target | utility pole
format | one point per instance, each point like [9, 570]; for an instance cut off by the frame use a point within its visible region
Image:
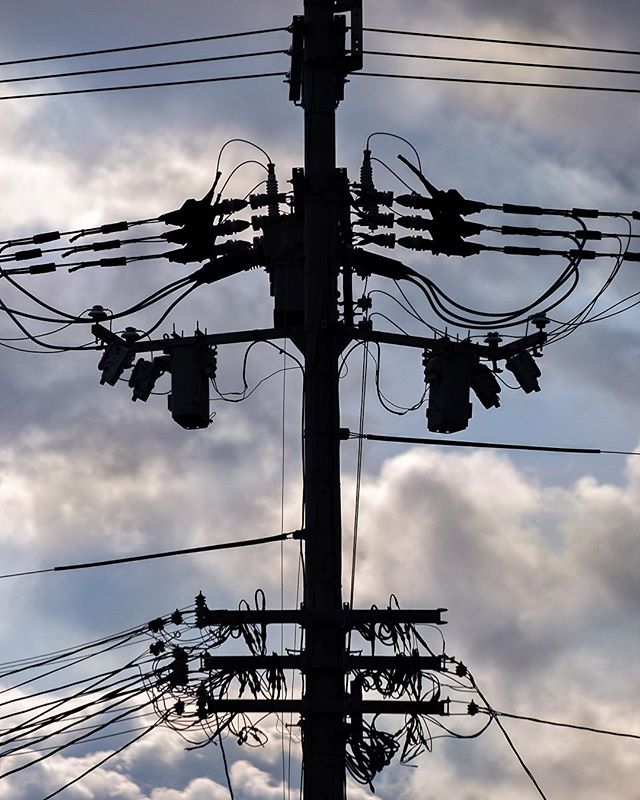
[310, 255]
[323, 739]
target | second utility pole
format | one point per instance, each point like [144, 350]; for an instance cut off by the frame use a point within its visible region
[323, 743]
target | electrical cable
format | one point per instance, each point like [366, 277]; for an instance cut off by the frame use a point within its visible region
[145, 46]
[492, 445]
[356, 512]
[487, 82]
[519, 43]
[129, 67]
[497, 62]
[165, 554]
[586, 728]
[509, 741]
[154, 85]
[104, 760]
[396, 136]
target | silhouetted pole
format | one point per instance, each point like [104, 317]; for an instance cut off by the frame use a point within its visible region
[323, 745]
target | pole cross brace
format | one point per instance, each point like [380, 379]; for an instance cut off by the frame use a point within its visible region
[413, 663]
[404, 707]
[348, 618]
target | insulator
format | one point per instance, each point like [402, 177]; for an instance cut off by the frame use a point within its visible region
[414, 200]
[272, 190]
[230, 226]
[366, 173]
[383, 198]
[381, 239]
[130, 335]
[97, 313]
[415, 243]
[179, 668]
[540, 321]
[257, 201]
[525, 371]
[376, 220]
[229, 206]
[415, 223]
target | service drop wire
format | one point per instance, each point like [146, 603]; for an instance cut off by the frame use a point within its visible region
[571, 270]
[581, 318]
[35, 662]
[121, 696]
[498, 319]
[242, 141]
[401, 138]
[494, 717]
[102, 761]
[40, 722]
[78, 739]
[506, 320]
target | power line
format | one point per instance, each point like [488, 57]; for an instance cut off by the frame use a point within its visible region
[144, 85]
[491, 445]
[166, 554]
[516, 42]
[587, 728]
[503, 63]
[128, 48]
[155, 65]
[509, 741]
[498, 83]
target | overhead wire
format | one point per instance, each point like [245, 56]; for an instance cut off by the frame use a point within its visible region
[374, 437]
[499, 62]
[150, 556]
[130, 67]
[154, 85]
[509, 741]
[555, 724]
[143, 46]
[516, 42]
[489, 82]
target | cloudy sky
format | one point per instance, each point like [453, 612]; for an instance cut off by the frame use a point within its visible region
[534, 555]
